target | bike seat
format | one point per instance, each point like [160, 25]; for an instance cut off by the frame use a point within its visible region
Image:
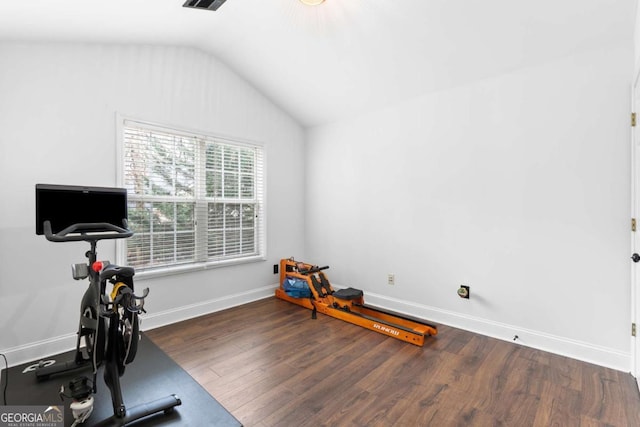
[115, 270]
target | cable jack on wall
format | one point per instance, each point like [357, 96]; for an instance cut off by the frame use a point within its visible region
[464, 291]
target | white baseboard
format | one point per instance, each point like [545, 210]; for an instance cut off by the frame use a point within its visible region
[579, 350]
[39, 350]
[587, 352]
[42, 349]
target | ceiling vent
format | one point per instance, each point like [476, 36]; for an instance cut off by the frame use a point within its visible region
[204, 4]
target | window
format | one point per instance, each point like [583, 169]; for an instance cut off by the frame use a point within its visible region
[192, 199]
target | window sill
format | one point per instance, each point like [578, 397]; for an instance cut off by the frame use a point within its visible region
[169, 271]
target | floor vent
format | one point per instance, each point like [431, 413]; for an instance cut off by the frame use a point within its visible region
[204, 4]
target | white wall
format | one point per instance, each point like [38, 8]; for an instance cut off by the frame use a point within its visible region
[517, 186]
[58, 106]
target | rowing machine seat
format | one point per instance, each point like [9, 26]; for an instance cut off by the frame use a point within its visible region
[348, 294]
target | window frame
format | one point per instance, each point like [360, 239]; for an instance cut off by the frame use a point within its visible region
[200, 198]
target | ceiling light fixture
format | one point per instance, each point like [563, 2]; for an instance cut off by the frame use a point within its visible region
[312, 2]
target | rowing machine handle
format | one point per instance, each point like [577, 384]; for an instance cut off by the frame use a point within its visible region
[313, 269]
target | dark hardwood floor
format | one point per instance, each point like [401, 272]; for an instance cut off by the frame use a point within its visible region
[269, 364]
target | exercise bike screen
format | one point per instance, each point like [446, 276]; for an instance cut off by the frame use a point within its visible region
[65, 205]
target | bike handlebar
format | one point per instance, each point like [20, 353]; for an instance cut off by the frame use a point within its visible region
[87, 231]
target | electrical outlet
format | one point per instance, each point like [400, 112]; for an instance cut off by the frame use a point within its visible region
[391, 279]
[275, 268]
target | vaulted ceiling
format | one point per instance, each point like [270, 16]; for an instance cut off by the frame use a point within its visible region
[324, 63]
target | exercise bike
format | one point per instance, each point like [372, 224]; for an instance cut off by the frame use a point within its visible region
[108, 331]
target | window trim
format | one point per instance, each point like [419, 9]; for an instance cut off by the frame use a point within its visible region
[121, 258]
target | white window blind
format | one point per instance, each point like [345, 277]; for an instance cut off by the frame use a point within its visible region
[193, 199]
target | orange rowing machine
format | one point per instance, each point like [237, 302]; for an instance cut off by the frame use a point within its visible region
[345, 304]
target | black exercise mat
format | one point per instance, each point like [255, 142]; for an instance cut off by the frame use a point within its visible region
[152, 375]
